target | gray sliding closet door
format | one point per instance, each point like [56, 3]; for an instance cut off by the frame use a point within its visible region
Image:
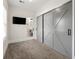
[48, 29]
[39, 28]
[55, 29]
[63, 25]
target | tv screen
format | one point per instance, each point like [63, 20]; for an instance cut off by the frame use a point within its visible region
[19, 20]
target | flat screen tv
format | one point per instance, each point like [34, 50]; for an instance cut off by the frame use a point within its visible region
[19, 20]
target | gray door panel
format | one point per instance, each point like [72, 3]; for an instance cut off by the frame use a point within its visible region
[48, 29]
[39, 28]
[61, 32]
[57, 24]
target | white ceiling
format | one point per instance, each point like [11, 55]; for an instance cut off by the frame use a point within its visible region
[35, 5]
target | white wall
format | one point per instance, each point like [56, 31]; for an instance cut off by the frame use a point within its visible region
[2, 33]
[51, 5]
[34, 27]
[5, 4]
[16, 32]
[5, 45]
[5, 11]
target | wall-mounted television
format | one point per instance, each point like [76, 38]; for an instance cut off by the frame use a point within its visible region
[19, 20]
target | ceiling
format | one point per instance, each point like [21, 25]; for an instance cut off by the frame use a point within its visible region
[34, 5]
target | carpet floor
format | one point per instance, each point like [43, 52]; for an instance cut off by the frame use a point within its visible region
[31, 49]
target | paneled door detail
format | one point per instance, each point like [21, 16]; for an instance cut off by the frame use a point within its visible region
[39, 28]
[54, 29]
[62, 24]
[48, 29]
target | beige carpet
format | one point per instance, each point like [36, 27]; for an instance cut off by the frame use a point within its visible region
[31, 49]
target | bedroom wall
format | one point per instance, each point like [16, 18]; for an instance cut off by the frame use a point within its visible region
[17, 33]
[5, 40]
[5, 45]
[34, 27]
[5, 4]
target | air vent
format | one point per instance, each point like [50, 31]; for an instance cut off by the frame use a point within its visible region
[21, 1]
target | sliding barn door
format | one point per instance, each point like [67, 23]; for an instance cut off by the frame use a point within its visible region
[39, 28]
[55, 29]
[63, 29]
[58, 29]
[48, 29]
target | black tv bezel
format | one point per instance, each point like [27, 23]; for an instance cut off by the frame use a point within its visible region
[19, 23]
